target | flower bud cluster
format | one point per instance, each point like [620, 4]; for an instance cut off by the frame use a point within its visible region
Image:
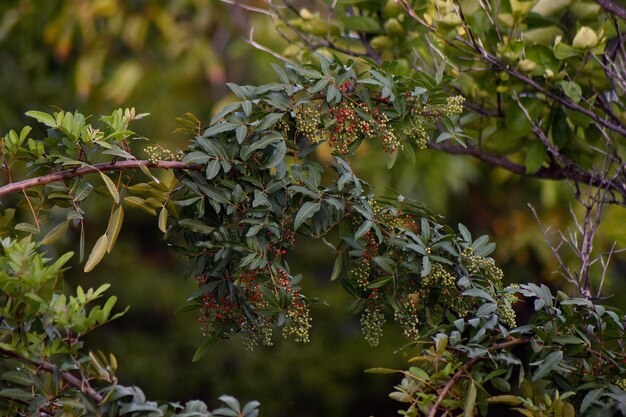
[454, 105]
[476, 264]
[258, 333]
[283, 127]
[408, 319]
[505, 309]
[372, 322]
[308, 121]
[361, 273]
[417, 132]
[158, 153]
[298, 321]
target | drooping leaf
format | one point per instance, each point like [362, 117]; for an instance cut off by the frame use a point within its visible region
[115, 225]
[111, 187]
[307, 211]
[97, 253]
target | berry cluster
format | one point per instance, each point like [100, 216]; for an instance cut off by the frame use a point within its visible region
[283, 127]
[372, 322]
[417, 132]
[361, 273]
[454, 105]
[158, 153]
[349, 126]
[476, 264]
[298, 321]
[308, 121]
[505, 309]
[408, 317]
[259, 333]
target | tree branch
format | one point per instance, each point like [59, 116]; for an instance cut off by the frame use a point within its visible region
[12, 187]
[461, 371]
[81, 384]
[550, 173]
[613, 8]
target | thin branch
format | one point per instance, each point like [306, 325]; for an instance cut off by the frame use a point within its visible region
[457, 375]
[91, 169]
[81, 384]
[567, 274]
[498, 64]
[613, 8]
[250, 41]
[551, 173]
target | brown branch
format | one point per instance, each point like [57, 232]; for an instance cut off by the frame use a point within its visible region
[91, 169]
[457, 375]
[550, 173]
[613, 8]
[81, 384]
[498, 64]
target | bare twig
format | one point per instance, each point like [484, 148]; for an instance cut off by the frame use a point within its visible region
[612, 7]
[565, 271]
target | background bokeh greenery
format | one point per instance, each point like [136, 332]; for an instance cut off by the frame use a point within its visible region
[169, 57]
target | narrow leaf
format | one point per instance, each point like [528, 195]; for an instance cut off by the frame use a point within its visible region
[114, 227]
[307, 211]
[112, 188]
[204, 348]
[163, 220]
[55, 233]
[470, 401]
[549, 363]
[97, 253]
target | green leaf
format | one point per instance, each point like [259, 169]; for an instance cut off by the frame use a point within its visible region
[55, 233]
[280, 150]
[241, 133]
[361, 24]
[382, 371]
[571, 90]
[220, 128]
[261, 143]
[505, 399]
[307, 211]
[97, 253]
[535, 156]
[470, 401]
[111, 186]
[212, 169]
[163, 220]
[114, 227]
[363, 229]
[204, 348]
[42, 117]
[381, 282]
[590, 398]
[197, 226]
[17, 394]
[28, 228]
[337, 268]
[196, 157]
[548, 364]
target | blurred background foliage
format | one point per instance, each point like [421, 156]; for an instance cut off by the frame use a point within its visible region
[168, 57]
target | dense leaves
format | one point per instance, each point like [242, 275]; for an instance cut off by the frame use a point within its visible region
[276, 165]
